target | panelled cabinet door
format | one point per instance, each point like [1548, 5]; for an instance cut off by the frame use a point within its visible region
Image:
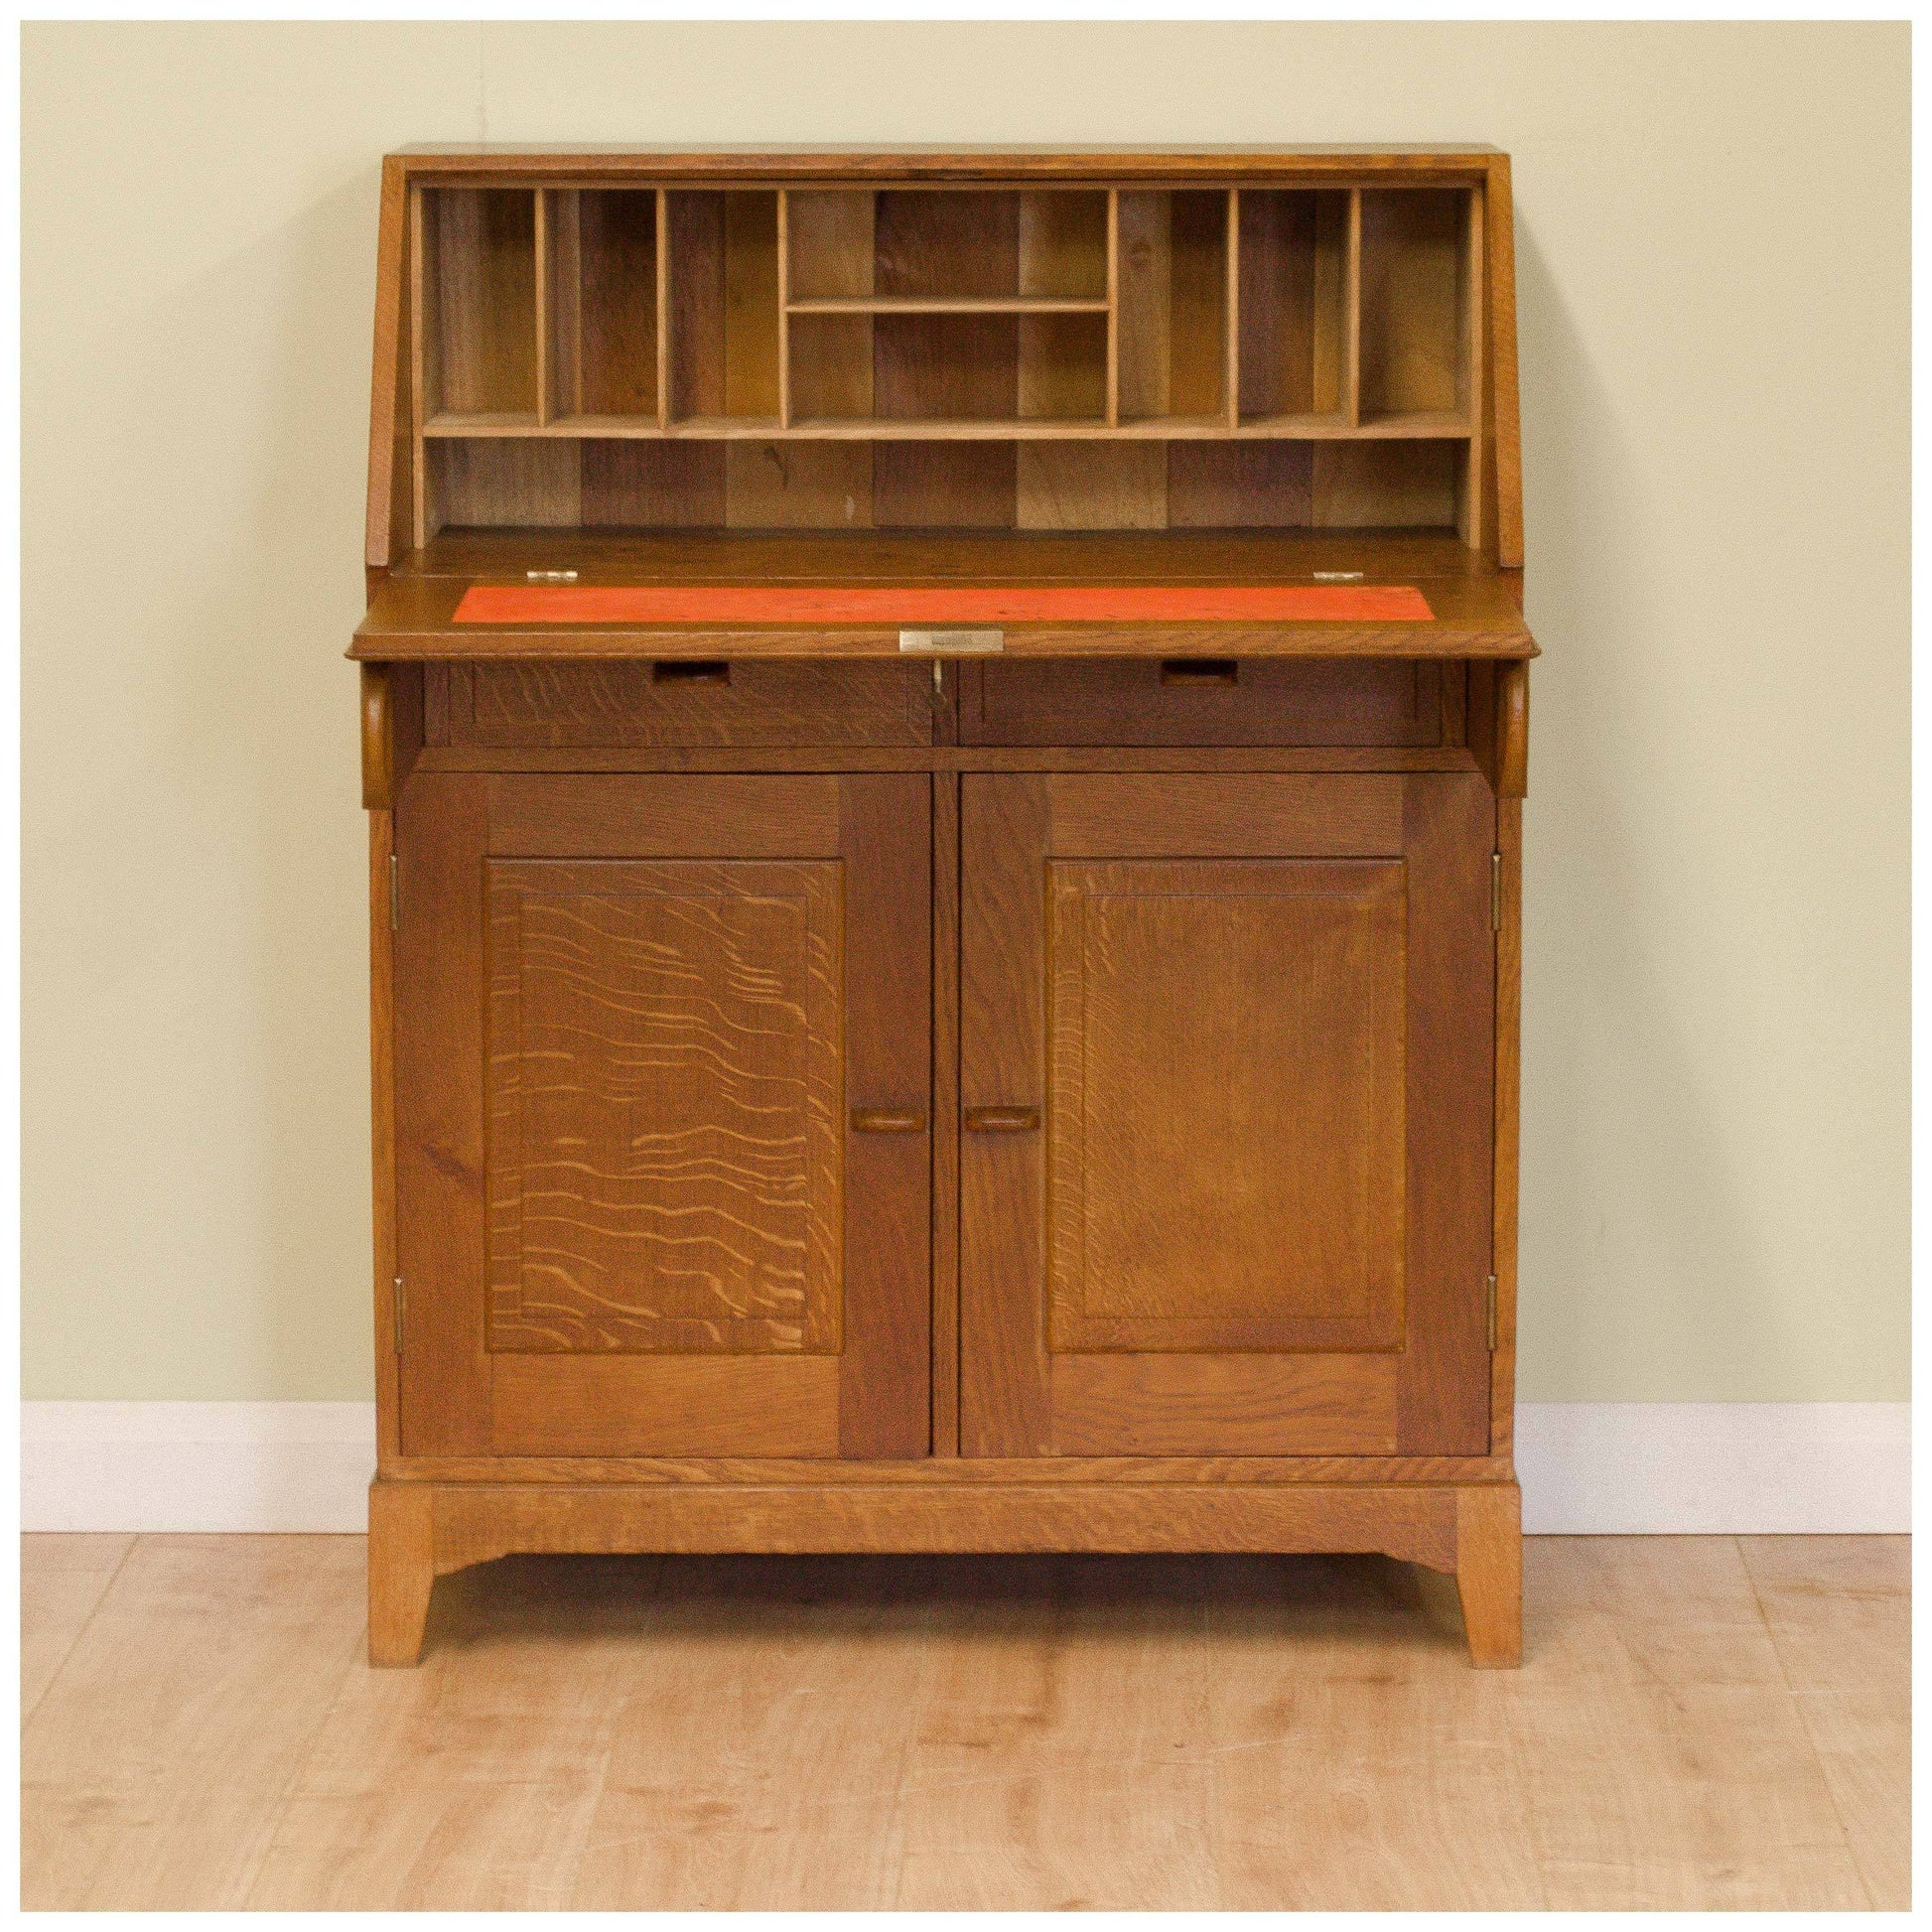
[663, 1073]
[1226, 1081]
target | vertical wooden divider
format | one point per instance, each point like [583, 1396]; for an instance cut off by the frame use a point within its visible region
[1234, 309]
[418, 368]
[562, 309]
[1501, 239]
[545, 347]
[1352, 315]
[664, 218]
[784, 309]
[1473, 521]
[1113, 308]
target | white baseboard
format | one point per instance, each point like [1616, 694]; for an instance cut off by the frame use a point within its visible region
[1605, 1468]
[298, 1467]
[1716, 1468]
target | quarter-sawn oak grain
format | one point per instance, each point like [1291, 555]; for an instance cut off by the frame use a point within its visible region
[829, 1097]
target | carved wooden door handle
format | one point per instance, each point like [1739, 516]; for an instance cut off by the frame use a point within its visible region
[1001, 1120]
[887, 1120]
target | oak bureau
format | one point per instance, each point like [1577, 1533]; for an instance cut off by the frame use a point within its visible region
[944, 736]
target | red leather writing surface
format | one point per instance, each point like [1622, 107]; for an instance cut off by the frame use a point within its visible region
[965, 604]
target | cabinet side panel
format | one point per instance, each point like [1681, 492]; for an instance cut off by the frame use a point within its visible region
[1509, 1014]
[382, 1126]
[445, 1374]
[1449, 837]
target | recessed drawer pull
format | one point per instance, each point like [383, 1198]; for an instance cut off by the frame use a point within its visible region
[887, 1120]
[690, 670]
[1200, 670]
[1001, 1120]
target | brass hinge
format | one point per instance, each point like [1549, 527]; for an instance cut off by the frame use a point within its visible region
[395, 892]
[399, 1301]
[1496, 892]
[1490, 1302]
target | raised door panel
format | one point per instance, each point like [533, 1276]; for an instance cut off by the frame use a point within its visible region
[638, 1020]
[1225, 1087]
[1226, 1079]
[663, 1088]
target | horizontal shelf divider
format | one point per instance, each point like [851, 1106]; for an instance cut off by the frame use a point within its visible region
[964, 305]
[1421, 426]
[1446, 424]
[520, 422]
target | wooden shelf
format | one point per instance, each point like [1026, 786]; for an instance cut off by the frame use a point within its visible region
[1445, 425]
[486, 422]
[1429, 425]
[994, 429]
[990, 305]
[757, 428]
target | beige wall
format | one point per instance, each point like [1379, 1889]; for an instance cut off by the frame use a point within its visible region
[1712, 233]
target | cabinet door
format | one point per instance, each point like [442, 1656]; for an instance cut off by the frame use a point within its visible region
[1226, 1079]
[662, 1079]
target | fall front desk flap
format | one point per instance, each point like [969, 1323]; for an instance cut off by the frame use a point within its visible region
[876, 605]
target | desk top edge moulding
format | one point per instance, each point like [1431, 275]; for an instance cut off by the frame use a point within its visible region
[944, 733]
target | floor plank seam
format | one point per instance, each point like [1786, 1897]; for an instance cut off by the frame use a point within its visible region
[74, 1642]
[297, 1770]
[1804, 1725]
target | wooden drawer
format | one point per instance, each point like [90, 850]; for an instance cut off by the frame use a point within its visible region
[583, 705]
[1207, 700]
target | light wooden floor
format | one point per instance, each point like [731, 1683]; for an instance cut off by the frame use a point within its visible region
[1701, 1721]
